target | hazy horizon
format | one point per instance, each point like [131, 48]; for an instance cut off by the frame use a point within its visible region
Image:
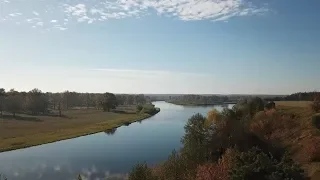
[160, 47]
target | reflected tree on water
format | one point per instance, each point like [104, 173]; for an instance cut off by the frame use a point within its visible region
[110, 131]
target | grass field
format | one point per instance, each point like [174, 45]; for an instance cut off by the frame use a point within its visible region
[300, 134]
[294, 103]
[25, 131]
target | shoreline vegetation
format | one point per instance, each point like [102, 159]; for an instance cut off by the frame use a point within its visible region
[34, 118]
[256, 139]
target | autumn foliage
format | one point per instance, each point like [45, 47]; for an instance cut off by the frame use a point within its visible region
[219, 170]
[235, 144]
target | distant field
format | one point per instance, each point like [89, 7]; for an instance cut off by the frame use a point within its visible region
[294, 103]
[25, 130]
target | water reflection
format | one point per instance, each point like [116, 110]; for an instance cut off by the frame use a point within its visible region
[110, 131]
[127, 123]
[65, 172]
[112, 156]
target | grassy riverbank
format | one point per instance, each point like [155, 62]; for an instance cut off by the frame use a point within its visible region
[25, 130]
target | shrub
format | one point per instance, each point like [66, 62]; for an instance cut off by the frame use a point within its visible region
[316, 104]
[220, 170]
[149, 109]
[273, 126]
[316, 120]
[270, 105]
[311, 148]
[139, 108]
[255, 164]
[176, 167]
[142, 172]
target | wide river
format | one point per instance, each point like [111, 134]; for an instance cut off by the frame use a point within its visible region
[103, 155]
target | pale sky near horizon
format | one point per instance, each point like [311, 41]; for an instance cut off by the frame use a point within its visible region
[160, 46]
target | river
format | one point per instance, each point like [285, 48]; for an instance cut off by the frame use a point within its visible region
[107, 155]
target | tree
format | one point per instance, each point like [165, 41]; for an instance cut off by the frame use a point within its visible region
[255, 164]
[2, 98]
[141, 172]
[13, 102]
[316, 104]
[37, 101]
[195, 140]
[108, 101]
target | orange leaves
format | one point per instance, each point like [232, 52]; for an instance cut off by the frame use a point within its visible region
[219, 170]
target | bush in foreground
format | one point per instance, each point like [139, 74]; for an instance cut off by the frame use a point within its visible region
[255, 164]
[141, 172]
[220, 170]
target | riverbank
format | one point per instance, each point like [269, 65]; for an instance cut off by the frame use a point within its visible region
[26, 131]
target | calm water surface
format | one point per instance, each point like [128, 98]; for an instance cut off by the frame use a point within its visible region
[103, 155]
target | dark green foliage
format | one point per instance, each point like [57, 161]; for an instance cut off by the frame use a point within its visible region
[255, 164]
[141, 172]
[175, 168]
[13, 102]
[316, 120]
[139, 108]
[108, 101]
[195, 143]
[149, 109]
[36, 101]
[270, 105]
[2, 100]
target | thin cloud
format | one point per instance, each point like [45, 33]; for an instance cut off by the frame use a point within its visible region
[147, 72]
[84, 11]
[35, 13]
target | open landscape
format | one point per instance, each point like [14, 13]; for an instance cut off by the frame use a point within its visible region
[159, 90]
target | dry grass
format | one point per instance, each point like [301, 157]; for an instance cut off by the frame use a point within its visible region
[35, 130]
[294, 103]
[301, 137]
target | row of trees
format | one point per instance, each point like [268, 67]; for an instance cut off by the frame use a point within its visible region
[228, 145]
[198, 99]
[36, 101]
[300, 96]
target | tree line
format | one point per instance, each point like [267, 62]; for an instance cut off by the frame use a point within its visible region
[37, 102]
[198, 99]
[300, 96]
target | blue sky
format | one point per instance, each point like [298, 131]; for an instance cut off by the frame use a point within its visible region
[168, 46]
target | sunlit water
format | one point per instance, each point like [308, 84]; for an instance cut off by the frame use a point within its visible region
[103, 155]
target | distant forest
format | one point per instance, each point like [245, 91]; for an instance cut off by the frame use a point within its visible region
[198, 99]
[300, 96]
